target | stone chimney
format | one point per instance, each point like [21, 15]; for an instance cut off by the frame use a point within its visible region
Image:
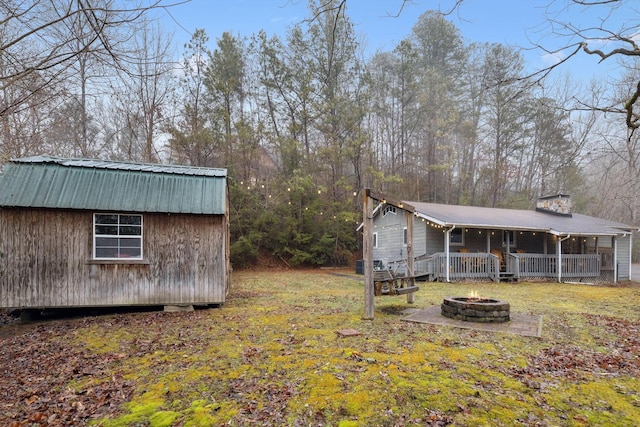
[558, 204]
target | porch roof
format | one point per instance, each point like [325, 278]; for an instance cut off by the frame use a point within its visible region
[518, 219]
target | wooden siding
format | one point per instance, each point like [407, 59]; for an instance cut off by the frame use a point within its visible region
[434, 240]
[47, 262]
[624, 257]
[390, 237]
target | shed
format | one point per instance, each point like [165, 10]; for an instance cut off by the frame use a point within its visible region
[93, 233]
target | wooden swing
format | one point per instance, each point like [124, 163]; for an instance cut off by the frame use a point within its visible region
[386, 283]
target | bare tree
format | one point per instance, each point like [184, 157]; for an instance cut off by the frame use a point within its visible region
[36, 40]
[145, 99]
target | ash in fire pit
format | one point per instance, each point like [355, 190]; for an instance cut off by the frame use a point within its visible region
[476, 309]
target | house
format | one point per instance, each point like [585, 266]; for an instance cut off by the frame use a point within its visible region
[92, 233]
[466, 242]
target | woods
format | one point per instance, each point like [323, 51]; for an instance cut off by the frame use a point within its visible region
[305, 121]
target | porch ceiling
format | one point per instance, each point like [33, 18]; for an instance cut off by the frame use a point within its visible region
[517, 219]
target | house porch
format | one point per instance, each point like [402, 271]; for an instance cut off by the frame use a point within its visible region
[501, 255]
[517, 266]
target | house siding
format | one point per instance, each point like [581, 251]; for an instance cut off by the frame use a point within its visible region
[624, 257]
[390, 230]
[46, 261]
[434, 240]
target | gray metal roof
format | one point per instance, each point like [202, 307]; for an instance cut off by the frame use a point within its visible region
[50, 182]
[516, 219]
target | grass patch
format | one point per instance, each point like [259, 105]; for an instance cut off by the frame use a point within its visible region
[271, 356]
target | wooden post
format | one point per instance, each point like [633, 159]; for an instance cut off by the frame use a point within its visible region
[614, 242]
[367, 253]
[410, 268]
[447, 264]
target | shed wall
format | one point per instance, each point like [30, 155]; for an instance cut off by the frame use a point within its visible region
[46, 261]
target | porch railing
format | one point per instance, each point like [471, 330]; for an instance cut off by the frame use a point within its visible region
[466, 265]
[520, 265]
[573, 265]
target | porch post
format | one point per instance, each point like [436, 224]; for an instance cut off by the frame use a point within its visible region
[615, 259]
[447, 264]
[559, 258]
[488, 241]
[630, 253]
[411, 281]
[367, 253]
[559, 255]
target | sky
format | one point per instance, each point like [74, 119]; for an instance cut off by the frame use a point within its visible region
[381, 24]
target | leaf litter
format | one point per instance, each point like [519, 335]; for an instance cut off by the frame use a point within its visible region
[271, 357]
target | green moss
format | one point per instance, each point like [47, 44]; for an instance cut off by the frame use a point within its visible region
[204, 413]
[164, 418]
[277, 350]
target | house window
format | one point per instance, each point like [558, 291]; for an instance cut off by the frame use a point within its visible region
[375, 240]
[388, 209]
[512, 238]
[456, 237]
[404, 236]
[117, 236]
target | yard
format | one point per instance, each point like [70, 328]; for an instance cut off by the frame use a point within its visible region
[271, 357]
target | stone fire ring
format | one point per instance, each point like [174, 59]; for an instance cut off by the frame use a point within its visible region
[483, 310]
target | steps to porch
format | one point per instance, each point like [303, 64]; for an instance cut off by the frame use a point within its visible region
[507, 276]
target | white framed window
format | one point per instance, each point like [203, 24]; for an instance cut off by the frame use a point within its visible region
[511, 235]
[117, 236]
[404, 236]
[375, 240]
[456, 237]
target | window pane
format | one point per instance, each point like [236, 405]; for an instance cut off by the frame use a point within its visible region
[106, 252]
[130, 230]
[130, 243]
[131, 219]
[456, 236]
[111, 230]
[107, 241]
[106, 219]
[129, 253]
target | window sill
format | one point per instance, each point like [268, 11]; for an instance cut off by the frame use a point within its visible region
[123, 261]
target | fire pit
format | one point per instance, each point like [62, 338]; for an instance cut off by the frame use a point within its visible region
[476, 309]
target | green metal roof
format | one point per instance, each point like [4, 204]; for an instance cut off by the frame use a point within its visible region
[50, 182]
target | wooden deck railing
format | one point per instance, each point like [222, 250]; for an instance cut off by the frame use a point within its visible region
[463, 265]
[573, 265]
[487, 266]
